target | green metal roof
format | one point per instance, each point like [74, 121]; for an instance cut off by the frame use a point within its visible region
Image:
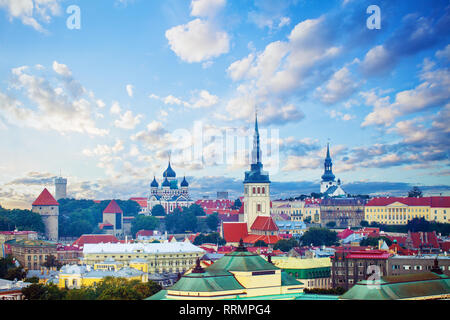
[400, 287]
[310, 273]
[288, 280]
[206, 282]
[241, 261]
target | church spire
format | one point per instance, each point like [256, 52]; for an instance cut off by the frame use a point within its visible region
[256, 154]
[328, 165]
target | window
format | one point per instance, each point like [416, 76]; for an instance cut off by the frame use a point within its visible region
[263, 190]
[258, 207]
[259, 190]
[406, 267]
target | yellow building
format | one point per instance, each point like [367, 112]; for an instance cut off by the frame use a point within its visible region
[396, 210]
[75, 276]
[313, 273]
[298, 210]
[237, 275]
[149, 257]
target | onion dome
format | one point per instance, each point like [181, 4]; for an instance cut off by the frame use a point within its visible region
[166, 183]
[154, 183]
[169, 173]
[184, 183]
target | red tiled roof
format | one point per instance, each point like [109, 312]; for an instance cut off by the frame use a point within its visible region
[400, 240]
[144, 233]
[234, 231]
[401, 251]
[438, 202]
[264, 224]
[369, 254]
[445, 246]
[344, 233]
[252, 238]
[45, 199]
[112, 207]
[420, 239]
[141, 201]
[95, 238]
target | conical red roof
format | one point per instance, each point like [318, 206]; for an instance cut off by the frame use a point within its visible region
[113, 207]
[45, 199]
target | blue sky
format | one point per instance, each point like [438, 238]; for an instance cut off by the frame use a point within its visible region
[105, 104]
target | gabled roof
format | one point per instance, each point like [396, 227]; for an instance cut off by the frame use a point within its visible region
[262, 223]
[345, 233]
[269, 239]
[95, 238]
[45, 199]
[113, 207]
[422, 239]
[234, 231]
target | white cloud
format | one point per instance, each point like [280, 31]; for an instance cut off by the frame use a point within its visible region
[128, 121]
[61, 69]
[197, 41]
[30, 11]
[115, 108]
[129, 88]
[55, 108]
[204, 100]
[444, 53]
[206, 8]
[339, 87]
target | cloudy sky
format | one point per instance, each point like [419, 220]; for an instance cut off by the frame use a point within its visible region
[102, 92]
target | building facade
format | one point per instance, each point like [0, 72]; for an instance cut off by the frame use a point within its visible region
[32, 254]
[399, 210]
[161, 257]
[345, 212]
[398, 265]
[350, 266]
[170, 195]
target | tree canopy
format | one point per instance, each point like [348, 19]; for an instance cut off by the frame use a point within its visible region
[213, 237]
[181, 221]
[142, 222]
[20, 219]
[158, 211]
[319, 236]
[415, 192]
[285, 244]
[212, 221]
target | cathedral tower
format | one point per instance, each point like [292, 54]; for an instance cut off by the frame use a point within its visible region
[256, 185]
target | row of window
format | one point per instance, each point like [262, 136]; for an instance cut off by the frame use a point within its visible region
[256, 190]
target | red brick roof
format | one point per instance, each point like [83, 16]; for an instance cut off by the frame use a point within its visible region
[438, 202]
[234, 231]
[421, 239]
[344, 233]
[113, 207]
[252, 238]
[45, 199]
[95, 238]
[144, 233]
[369, 254]
[264, 224]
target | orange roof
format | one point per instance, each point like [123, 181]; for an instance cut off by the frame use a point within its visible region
[264, 224]
[252, 238]
[113, 207]
[234, 231]
[45, 199]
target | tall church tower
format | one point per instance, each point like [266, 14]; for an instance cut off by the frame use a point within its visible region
[256, 185]
[328, 176]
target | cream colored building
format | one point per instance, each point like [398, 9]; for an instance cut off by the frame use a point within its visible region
[160, 257]
[396, 210]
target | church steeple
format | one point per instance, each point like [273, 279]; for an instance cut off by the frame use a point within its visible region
[328, 165]
[256, 153]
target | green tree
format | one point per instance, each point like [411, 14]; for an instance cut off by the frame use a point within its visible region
[197, 210]
[16, 273]
[261, 243]
[319, 236]
[51, 261]
[142, 222]
[373, 241]
[364, 223]
[35, 291]
[181, 221]
[285, 244]
[6, 264]
[237, 204]
[419, 224]
[158, 211]
[307, 219]
[331, 224]
[212, 221]
[213, 237]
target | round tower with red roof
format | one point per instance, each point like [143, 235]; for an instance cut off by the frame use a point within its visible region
[48, 208]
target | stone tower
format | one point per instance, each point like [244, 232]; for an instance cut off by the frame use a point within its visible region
[60, 188]
[256, 185]
[48, 208]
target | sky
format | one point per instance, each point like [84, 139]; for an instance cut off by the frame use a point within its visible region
[104, 92]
